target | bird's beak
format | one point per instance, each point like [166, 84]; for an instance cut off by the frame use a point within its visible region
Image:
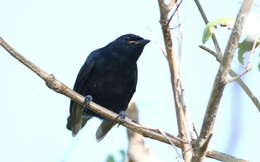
[143, 41]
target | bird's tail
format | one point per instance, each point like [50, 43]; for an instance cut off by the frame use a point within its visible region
[75, 120]
[104, 127]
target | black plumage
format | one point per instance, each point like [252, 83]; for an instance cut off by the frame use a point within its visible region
[109, 75]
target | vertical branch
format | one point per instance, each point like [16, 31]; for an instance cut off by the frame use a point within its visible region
[137, 150]
[175, 79]
[220, 81]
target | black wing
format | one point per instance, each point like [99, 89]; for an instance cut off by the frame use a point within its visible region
[134, 85]
[75, 121]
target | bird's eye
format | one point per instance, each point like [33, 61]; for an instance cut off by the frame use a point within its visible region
[132, 42]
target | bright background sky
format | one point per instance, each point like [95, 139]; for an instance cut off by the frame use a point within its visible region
[58, 35]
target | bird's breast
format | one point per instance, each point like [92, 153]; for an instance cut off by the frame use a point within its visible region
[115, 78]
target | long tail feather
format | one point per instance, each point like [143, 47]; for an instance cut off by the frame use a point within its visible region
[103, 129]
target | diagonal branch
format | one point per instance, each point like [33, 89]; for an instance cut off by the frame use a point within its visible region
[223, 157]
[177, 7]
[218, 55]
[206, 21]
[61, 88]
[175, 81]
[233, 74]
[247, 69]
[220, 82]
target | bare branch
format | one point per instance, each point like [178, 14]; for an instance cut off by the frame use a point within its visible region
[204, 17]
[218, 57]
[155, 40]
[163, 133]
[248, 68]
[223, 157]
[195, 131]
[177, 7]
[239, 81]
[61, 88]
[176, 82]
[220, 83]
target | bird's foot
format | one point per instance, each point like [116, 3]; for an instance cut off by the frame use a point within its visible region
[85, 105]
[87, 101]
[121, 118]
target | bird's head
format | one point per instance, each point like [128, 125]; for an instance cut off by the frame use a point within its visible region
[129, 45]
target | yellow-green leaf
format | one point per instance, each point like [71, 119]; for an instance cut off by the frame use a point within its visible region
[209, 29]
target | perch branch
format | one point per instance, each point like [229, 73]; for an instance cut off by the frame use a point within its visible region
[220, 82]
[61, 88]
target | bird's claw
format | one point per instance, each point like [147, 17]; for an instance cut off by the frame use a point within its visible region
[87, 101]
[121, 118]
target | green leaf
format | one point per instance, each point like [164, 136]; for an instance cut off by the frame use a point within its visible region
[123, 155]
[209, 29]
[110, 158]
[244, 47]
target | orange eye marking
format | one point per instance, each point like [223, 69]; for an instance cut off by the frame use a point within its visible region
[132, 42]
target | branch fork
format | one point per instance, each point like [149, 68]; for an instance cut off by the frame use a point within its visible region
[234, 75]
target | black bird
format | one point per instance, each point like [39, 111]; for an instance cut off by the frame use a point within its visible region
[109, 76]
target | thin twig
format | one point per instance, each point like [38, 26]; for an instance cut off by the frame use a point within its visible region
[61, 88]
[171, 4]
[177, 7]
[175, 81]
[219, 83]
[218, 57]
[255, 44]
[172, 144]
[195, 131]
[257, 40]
[179, 37]
[155, 40]
[239, 81]
[206, 21]
[248, 68]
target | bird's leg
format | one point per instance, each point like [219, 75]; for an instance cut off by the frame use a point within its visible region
[88, 99]
[85, 105]
[121, 118]
[122, 115]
